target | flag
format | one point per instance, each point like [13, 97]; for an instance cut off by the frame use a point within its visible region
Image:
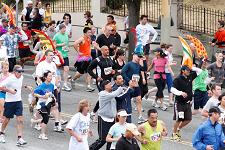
[9, 12]
[187, 53]
[200, 49]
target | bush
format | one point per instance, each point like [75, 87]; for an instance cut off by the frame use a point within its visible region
[115, 4]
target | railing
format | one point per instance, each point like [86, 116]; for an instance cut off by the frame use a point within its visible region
[148, 7]
[62, 6]
[199, 19]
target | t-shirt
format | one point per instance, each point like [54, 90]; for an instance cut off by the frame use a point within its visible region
[220, 36]
[80, 125]
[103, 40]
[43, 67]
[199, 82]
[159, 66]
[116, 131]
[212, 102]
[62, 38]
[217, 72]
[68, 28]
[44, 88]
[12, 82]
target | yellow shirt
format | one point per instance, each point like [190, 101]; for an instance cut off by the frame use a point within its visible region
[153, 137]
[48, 17]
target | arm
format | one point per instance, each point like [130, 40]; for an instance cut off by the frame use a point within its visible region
[144, 66]
[164, 131]
[176, 92]
[77, 43]
[205, 110]
[72, 124]
[197, 70]
[91, 67]
[124, 72]
[114, 94]
[153, 31]
[169, 68]
[197, 141]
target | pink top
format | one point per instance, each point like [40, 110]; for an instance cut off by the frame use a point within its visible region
[159, 65]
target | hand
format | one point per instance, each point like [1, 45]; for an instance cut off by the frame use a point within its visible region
[144, 142]
[184, 94]
[144, 82]
[212, 78]
[63, 44]
[172, 74]
[99, 79]
[209, 147]
[209, 93]
[46, 96]
[79, 139]
[113, 72]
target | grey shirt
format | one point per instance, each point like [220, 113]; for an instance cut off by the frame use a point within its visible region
[217, 72]
[107, 103]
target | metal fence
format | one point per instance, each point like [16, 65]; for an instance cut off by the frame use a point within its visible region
[198, 18]
[62, 6]
[119, 8]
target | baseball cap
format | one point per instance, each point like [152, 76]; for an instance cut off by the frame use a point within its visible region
[214, 110]
[5, 20]
[185, 67]
[158, 49]
[18, 69]
[122, 113]
[132, 128]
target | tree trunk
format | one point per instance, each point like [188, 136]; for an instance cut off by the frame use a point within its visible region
[134, 13]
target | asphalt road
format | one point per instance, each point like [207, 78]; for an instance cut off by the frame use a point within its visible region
[59, 141]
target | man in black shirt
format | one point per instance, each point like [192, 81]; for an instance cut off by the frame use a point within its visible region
[105, 40]
[127, 141]
[182, 88]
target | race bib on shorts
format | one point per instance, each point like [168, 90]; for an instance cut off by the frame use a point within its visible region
[181, 115]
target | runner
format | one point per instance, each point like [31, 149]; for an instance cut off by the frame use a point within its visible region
[182, 88]
[78, 127]
[159, 63]
[89, 23]
[152, 132]
[128, 141]
[83, 48]
[107, 103]
[213, 101]
[44, 94]
[62, 43]
[67, 23]
[13, 104]
[132, 71]
[209, 135]
[118, 129]
[119, 60]
[219, 37]
[51, 29]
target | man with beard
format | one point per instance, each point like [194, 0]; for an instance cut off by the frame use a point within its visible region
[152, 131]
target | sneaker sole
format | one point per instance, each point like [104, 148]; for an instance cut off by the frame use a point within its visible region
[90, 90]
[64, 123]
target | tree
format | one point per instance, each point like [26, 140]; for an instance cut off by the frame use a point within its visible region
[134, 13]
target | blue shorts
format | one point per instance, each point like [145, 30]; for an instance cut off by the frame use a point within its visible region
[169, 81]
[2, 95]
[13, 108]
[200, 99]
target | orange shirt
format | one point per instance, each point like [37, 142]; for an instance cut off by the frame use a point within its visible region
[85, 48]
[220, 37]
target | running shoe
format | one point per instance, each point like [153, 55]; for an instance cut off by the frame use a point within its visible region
[154, 104]
[141, 120]
[21, 142]
[164, 108]
[66, 88]
[175, 137]
[58, 129]
[37, 127]
[90, 89]
[43, 137]
[63, 122]
[2, 138]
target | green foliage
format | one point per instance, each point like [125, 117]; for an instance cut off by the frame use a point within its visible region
[115, 4]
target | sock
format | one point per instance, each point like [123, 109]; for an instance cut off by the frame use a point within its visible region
[56, 123]
[19, 137]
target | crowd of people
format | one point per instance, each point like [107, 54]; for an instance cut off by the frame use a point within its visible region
[120, 84]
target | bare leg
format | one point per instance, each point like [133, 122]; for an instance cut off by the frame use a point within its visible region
[43, 128]
[1, 108]
[4, 124]
[176, 125]
[19, 126]
[65, 74]
[139, 105]
[184, 123]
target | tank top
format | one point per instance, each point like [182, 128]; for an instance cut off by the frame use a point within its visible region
[85, 48]
[154, 138]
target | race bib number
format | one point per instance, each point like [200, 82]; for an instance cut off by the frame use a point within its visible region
[107, 70]
[155, 137]
[136, 77]
[181, 115]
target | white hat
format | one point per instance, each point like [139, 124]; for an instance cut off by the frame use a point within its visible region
[29, 2]
[122, 113]
[132, 128]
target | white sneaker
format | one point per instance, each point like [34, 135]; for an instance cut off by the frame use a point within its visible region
[2, 138]
[90, 89]
[66, 88]
[58, 129]
[154, 104]
[164, 108]
[43, 137]
[37, 127]
[21, 142]
[141, 120]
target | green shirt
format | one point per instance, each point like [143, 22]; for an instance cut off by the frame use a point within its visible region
[199, 82]
[60, 39]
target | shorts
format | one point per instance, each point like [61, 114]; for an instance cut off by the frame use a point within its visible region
[200, 99]
[13, 108]
[12, 63]
[82, 66]
[182, 112]
[66, 61]
[169, 81]
[160, 84]
[2, 95]
[146, 49]
[25, 52]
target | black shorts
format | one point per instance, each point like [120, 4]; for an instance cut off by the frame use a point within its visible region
[182, 112]
[200, 99]
[82, 66]
[13, 108]
[12, 63]
[25, 52]
[66, 61]
[146, 49]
